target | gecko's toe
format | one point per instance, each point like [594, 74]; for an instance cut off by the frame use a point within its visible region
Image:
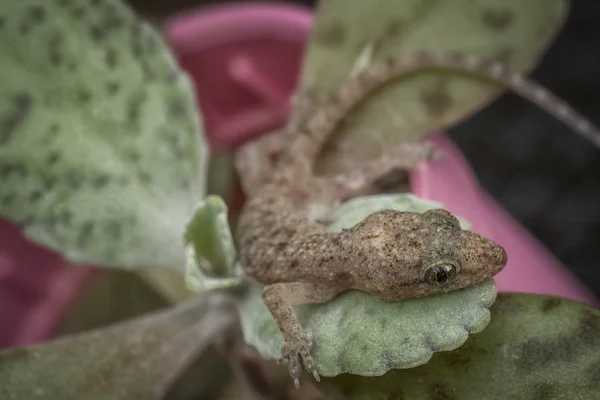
[297, 353]
[295, 369]
[316, 376]
[310, 366]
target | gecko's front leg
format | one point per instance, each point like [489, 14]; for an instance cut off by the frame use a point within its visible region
[297, 344]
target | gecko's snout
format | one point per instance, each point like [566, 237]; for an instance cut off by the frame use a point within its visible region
[485, 257]
[503, 258]
[494, 256]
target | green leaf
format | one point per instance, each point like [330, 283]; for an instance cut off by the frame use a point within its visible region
[355, 210]
[118, 295]
[101, 149]
[138, 359]
[210, 248]
[356, 333]
[348, 34]
[536, 347]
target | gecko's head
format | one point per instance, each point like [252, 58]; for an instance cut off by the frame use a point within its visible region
[456, 258]
[405, 255]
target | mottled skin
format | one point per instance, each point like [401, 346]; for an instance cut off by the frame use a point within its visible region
[392, 255]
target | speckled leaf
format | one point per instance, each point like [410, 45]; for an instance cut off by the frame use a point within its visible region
[348, 34]
[101, 152]
[358, 334]
[138, 359]
[536, 347]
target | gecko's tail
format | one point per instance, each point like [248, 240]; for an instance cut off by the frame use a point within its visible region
[319, 125]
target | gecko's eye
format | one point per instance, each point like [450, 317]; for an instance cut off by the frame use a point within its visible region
[440, 274]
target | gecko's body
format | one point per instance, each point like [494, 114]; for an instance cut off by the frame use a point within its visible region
[392, 255]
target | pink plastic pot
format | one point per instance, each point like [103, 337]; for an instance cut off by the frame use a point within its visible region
[244, 60]
[250, 56]
[36, 288]
[531, 268]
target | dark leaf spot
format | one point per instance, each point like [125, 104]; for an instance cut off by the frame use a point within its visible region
[176, 108]
[10, 169]
[113, 22]
[440, 391]
[21, 106]
[24, 28]
[83, 96]
[73, 180]
[133, 108]
[497, 20]
[508, 304]
[48, 184]
[110, 57]
[78, 12]
[463, 358]
[430, 343]
[535, 353]
[550, 304]
[7, 199]
[133, 155]
[342, 362]
[543, 391]
[54, 49]
[331, 35]
[438, 100]
[594, 375]
[113, 88]
[65, 217]
[589, 328]
[37, 14]
[388, 361]
[394, 28]
[35, 195]
[144, 177]
[383, 322]
[101, 181]
[85, 234]
[98, 33]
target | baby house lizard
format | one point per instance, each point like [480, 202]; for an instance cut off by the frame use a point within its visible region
[392, 255]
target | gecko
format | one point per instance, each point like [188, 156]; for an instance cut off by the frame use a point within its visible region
[392, 255]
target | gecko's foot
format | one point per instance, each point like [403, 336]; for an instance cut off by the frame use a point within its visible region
[297, 351]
